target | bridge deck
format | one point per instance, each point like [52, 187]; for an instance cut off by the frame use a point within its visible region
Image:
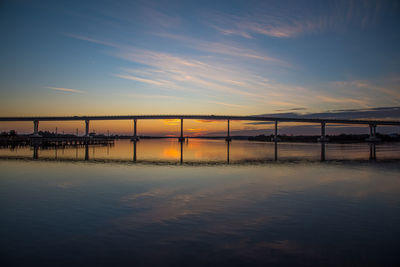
[200, 117]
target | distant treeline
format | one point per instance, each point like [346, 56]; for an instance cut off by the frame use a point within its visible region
[342, 138]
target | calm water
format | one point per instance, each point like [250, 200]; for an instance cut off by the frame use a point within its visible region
[299, 204]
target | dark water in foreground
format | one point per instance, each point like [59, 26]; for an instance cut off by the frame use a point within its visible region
[61, 209]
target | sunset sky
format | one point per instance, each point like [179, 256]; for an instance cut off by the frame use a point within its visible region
[196, 57]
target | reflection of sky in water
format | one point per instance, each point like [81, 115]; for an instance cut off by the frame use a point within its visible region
[307, 213]
[197, 150]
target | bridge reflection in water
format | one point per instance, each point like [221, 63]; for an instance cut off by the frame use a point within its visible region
[205, 151]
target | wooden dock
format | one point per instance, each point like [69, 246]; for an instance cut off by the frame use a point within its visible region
[54, 141]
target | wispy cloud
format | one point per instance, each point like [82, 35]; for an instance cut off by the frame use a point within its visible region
[196, 130]
[209, 75]
[149, 96]
[248, 28]
[392, 89]
[288, 21]
[215, 79]
[342, 100]
[226, 31]
[283, 103]
[223, 48]
[92, 40]
[205, 121]
[133, 78]
[227, 104]
[291, 109]
[382, 91]
[171, 122]
[66, 90]
[392, 113]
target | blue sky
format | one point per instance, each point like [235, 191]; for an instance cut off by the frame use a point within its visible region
[203, 57]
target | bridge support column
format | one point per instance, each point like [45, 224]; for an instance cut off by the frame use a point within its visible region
[134, 150]
[87, 128]
[181, 138]
[135, 137]
[322, 151]
[35, 152]
[86, 151]
[372, 134]
[276, 139]
[181, 143]
[228, 136]
[36, 128]
[323, 136]
[372, 151]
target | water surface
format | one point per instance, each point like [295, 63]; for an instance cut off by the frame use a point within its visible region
[104, 208]
[208, 151]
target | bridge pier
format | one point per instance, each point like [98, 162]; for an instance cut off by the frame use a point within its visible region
[36, 128]
[87, 128]
[86, 152]
[323, 137]
[372, 134]
[228, 137]
[134, 150]
[372, 151]
[322, 151]
[35, 152]
[227, 152]
[181, 138]
[135, 137]
[181, 159]
[275, 138]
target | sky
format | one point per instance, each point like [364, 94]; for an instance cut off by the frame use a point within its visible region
[197, 57]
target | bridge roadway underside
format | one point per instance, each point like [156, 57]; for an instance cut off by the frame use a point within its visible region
[201, 117]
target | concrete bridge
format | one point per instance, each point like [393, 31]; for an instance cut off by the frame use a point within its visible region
[323, 122]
